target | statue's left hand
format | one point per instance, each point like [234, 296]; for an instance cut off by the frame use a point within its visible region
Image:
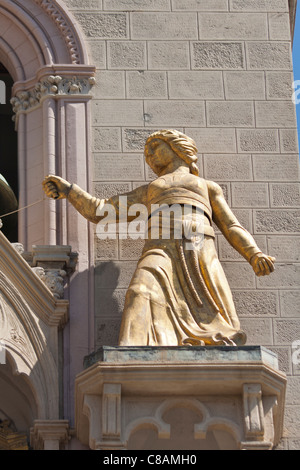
[262, 264]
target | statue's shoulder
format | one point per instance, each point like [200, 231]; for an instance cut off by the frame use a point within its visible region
[214, 188]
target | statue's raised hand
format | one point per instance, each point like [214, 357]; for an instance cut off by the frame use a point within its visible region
[56, 187]
[262, 264]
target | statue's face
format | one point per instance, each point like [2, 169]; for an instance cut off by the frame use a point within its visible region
[159, 155]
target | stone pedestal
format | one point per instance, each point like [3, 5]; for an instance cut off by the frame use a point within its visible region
[180, 398]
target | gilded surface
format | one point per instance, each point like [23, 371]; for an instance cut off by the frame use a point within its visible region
[179, 294]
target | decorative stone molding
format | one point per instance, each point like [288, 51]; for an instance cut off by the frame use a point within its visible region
[52, 86]
[234, 397]
[49, 434]
[52, 9]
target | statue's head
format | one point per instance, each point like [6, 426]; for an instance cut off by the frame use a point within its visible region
[181, 146]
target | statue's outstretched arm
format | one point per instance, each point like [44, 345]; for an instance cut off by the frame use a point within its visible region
[236, 234]
[58, 188]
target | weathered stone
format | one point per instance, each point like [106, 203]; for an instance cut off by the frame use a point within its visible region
[285, 194]
[114, 274]
[250, 195]
[287, 331]
[255, 303]
[230, 113]
[279, 26]
[275, 114]
[200, 5]
[289, 302]
[174, 113]
[269, 55]
[134, 139]
[279, 85]
[244, 85]
[277, 221]
[228, 167]
[258, 140]
[118, 113]
[245, 26]
[218, 55]
[107, 190]
[110, 85]
[239, 274]
[98, 52]
[195, 85]
[259, 330]
[119, 167]
[103, 25]
[168, 55]
[275, 167]
[258, 5]
[107, 139]
[284, 248]
[285, 276]
[210, 140]
[146, 84]
[126, 55]
[289, 140]
[135, 5]
[164, 26]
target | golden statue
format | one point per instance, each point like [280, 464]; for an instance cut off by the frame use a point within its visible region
[179, 294]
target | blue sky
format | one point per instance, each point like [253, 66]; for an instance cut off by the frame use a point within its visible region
[296, 58]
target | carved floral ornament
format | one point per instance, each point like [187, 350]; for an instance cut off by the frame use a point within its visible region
[53, 85]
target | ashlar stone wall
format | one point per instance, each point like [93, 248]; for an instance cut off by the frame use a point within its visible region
[220, 71]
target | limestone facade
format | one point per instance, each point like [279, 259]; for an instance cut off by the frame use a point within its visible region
[92, 79]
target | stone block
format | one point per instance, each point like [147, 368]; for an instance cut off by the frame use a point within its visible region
[131, 249]
[164, 26]
[245, 26]
[284, 248]
[275, 114]
[228, 167]
[285, 194]
[276, 221]
[258, 5]
[258, 330]
[257, 140]
[107, 331]
[289, 302]
[200, 5]
[134, 139]
[135, 5]
[218, 55]
[107, 139]
[97, 53]
[168, 55]
[285, 276]
[118, 113]
[293, 387]
[84, 4]
[103, 25]
[287, 331]
[106, 249]
[109, 85]
[107, 190]
[289, 140]
[279, 26]
[125, 55]
[254, 303]
[240, 275]
[250, 194]
[109, 302]
[279, 85]
[210, 140]
[174, 113]
[276, 167]
[114, 274]
[146, 84]
[244, 85]
[230, 113]
[119, 167]
[195, 85]
[272, 55]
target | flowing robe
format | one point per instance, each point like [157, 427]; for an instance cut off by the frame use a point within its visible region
[179, 294]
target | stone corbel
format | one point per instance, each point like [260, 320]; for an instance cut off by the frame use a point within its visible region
[53, 264]
[49, 435]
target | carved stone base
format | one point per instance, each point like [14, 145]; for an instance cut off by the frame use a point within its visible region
[180, 398]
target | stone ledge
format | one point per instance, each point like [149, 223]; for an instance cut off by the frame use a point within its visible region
[237, 390]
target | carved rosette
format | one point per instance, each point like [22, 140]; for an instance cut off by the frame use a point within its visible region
[52, 86]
